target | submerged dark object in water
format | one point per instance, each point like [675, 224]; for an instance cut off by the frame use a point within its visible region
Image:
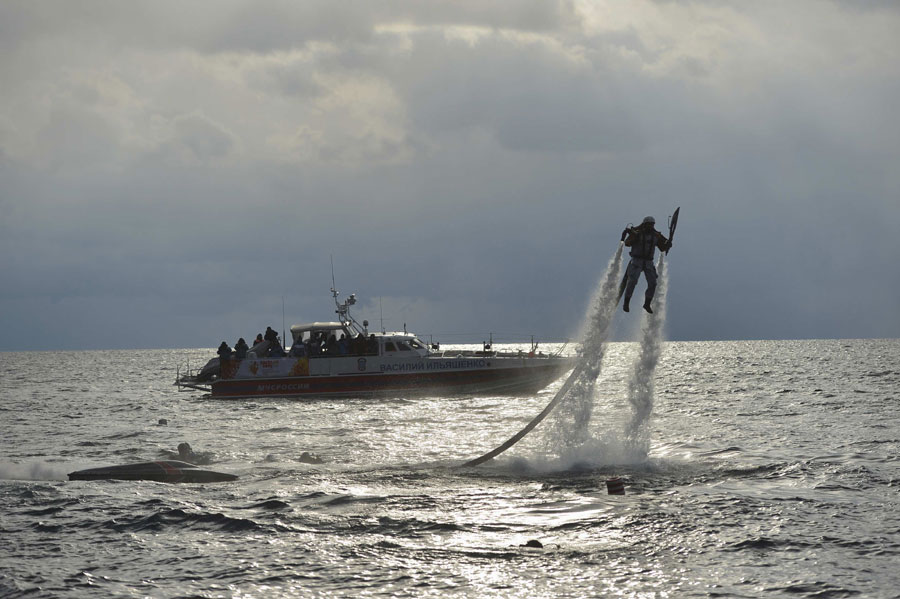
[164, 471]
[310, 458]
[186, 453]
[615, 486]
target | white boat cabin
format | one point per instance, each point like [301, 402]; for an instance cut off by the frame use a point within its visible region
[330, 339]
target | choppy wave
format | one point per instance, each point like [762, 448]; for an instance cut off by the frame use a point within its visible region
[182, 520]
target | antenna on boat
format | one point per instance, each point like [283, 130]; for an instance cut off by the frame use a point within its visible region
[381, 309]
[283, 340]
[334, 292]
[343, 309]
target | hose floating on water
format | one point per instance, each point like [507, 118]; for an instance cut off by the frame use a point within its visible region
[560, 395]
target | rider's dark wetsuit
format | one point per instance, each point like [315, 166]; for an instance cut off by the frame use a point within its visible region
[643, 241]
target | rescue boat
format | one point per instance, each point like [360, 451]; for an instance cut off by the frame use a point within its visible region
[344, 359]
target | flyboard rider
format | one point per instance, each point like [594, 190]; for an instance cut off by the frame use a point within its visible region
[642, 240]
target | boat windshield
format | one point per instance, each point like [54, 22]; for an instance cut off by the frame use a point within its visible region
[412, 344]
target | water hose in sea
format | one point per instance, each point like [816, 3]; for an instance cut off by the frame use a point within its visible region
[594, 342]
[560, 395]
[601, 312]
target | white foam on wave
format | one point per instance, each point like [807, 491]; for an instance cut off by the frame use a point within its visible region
[608, 449]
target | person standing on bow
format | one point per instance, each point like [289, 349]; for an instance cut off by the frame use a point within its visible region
[643, 241]
[240, 349]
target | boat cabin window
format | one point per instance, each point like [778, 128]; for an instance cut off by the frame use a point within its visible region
[402, 346]
[389, 346]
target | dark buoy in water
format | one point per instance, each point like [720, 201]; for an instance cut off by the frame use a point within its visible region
[163, 422]
[533, 543]
[615, 486]
[310, 458]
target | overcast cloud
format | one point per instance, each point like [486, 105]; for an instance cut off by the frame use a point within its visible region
[170, 171]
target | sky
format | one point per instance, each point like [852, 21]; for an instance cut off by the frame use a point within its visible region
[172, 174]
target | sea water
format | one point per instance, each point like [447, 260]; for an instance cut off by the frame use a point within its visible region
[771, 471]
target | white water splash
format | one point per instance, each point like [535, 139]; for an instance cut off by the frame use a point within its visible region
[605, 449]
[641, 385]
[570, 426]
[569, 438]
[35, 471]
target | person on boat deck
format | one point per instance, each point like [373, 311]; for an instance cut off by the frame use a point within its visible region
[259, 339]
[241, 349]
[275, 349]
[643, 241]
[224, 352]
[298, 350]
[359, 345]
[331, 346]
[343, 346]
[372, 345]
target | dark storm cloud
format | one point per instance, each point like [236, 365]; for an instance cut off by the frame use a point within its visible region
[472, 166]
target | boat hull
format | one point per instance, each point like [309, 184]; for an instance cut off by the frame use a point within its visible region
[435, 378]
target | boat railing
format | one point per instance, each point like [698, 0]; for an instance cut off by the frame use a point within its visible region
[186, 379]
[471, 353]
[488, 351]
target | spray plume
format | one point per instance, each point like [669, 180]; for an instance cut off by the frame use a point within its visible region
[570, 435]
[580, 382]
[640, 387]
[570, 428]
